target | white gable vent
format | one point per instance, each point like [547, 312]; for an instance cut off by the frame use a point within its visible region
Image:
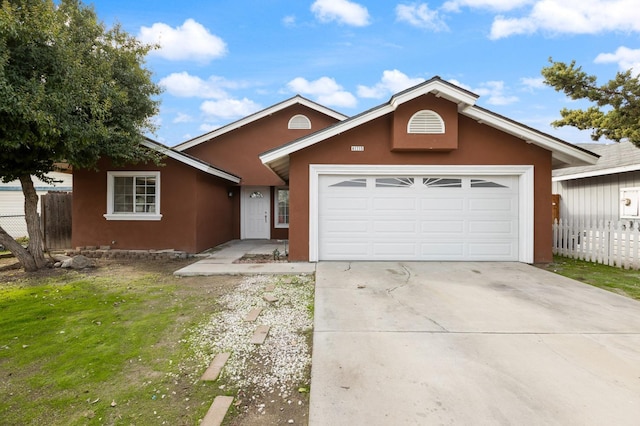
[426, 121]
[299, 122]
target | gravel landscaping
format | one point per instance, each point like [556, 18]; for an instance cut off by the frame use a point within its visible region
[266, 380]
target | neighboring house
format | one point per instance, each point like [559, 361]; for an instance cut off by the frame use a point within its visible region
[425, 176]
[12, 200]
[606, 191]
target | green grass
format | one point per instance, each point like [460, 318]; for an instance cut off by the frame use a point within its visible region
[618, 280]
[81, 349]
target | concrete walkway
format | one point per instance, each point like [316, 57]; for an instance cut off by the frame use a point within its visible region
[453, 343]
[220, 261]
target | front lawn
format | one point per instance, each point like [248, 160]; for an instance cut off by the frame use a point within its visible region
[618, 280]
[103, 347]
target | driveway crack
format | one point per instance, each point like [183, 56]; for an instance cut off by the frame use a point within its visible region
[421, 314]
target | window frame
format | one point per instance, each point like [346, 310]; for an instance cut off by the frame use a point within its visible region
[111, 215]
[276, 215]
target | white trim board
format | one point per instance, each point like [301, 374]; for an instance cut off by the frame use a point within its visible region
[525, 198]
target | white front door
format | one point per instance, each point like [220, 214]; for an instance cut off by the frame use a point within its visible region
[255, 210]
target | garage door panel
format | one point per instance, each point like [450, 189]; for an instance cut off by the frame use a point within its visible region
[490, 205]
[442, 204]
[442, 250]
[491, 227]
[491, 250]
[406, 219]
[395, 227]
[395, 250]
[442, 226]
[387, 204]
[346, 226]
[346, 204]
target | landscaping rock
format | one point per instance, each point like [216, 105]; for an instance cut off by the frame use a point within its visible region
[78, 262]
[60, 257]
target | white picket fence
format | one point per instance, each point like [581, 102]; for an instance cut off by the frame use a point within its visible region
[610, 243]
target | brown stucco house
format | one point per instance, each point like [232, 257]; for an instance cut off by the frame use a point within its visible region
[210, 190]
[426, 176]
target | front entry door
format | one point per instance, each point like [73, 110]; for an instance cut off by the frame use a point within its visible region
[255, 210]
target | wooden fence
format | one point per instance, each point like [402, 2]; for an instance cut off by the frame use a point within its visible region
[55, 213]
[613, 243]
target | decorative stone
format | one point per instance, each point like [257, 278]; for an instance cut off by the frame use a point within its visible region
[78, 262]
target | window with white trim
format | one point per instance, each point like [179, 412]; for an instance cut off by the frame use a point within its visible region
[299, 122]
[425, 122]
[281, 204]
[133, 196]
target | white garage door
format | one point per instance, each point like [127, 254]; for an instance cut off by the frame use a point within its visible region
[418, 218]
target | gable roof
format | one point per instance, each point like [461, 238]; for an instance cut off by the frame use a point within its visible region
[614, 158]
[257, 116]
[563, 153]
[190, 161]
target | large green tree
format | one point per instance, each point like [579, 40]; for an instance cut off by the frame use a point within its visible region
[72, 91]
[615, 109]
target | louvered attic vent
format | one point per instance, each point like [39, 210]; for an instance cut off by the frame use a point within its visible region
[299, 122]
[425, 121]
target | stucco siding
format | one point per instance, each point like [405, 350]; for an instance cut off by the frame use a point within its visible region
[187, 198]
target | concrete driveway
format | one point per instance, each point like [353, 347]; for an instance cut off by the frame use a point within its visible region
[470, 343]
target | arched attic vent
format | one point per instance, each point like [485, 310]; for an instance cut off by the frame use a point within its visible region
[425, 121]
[299, 122]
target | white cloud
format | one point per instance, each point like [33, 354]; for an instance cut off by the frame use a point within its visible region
[571, 17]
[497, 5]
[625, 58]
[392, 81]
[289, 21]
[419, 15]
[190, 41]
[185, 85]
[208, 127]
[341, 11]
[492, 91]
[325, 90]
[182, 118]
[229, 108]
[532, 83]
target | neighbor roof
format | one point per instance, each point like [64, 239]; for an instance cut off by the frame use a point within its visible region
[614, 158]
[563, 153]
[190, 161]
[257, 116]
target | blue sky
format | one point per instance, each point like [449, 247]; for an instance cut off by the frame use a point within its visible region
[222, 60]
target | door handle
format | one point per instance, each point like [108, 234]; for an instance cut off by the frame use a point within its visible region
[265, 217]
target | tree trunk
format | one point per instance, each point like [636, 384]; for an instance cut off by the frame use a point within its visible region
[24, 257]
[36, 244]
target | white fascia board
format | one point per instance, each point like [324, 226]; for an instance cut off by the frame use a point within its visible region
[440, 90]
[191, 162]
[594, 173]
[561, 151]
[257, 116]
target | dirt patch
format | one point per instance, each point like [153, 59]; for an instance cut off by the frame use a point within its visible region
[262, 258]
